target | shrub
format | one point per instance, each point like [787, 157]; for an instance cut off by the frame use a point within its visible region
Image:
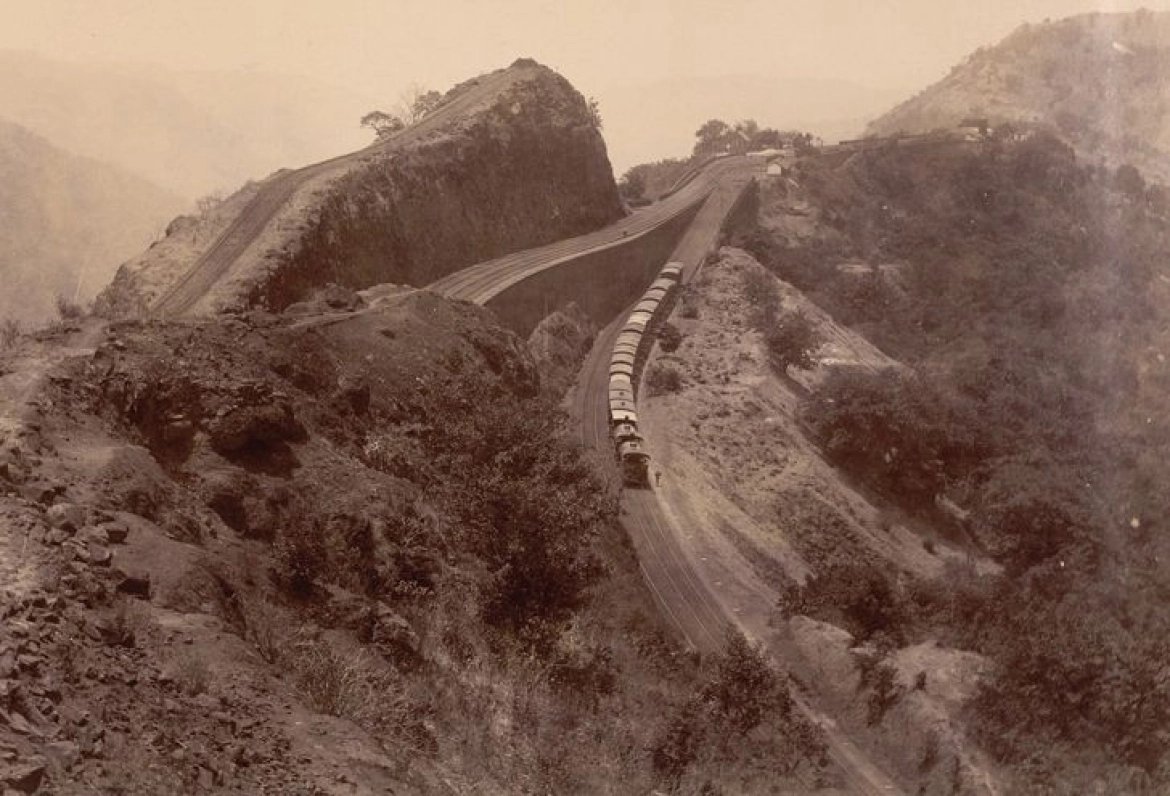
[352, 683]
[300, 559]
[669, 338]
[679, 743]
[265, 625]
[10, 332]
[663, 379]
[126, 623]
[759, 288]
[67, 309]
[791, 341]
[858, 596]
[744, 688]
[192, 672]
[884, 692]
[689, 300]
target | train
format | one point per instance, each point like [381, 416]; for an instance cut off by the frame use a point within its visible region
[630, 351]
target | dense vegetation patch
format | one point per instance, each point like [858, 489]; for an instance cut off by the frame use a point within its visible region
[1024, 290]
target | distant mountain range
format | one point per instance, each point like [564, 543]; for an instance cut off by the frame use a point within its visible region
[67, 222]
[1101, 80]
[190, 132]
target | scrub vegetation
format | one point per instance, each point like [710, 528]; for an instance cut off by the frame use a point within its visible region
[1024, 289]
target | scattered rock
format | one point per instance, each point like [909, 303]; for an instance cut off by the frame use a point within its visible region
[62, 755]
[135, 583]
[98, 555]
[66, 516]
[23, 777]
[116, 532]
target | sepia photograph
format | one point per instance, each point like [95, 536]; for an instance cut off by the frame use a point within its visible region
[584, 397]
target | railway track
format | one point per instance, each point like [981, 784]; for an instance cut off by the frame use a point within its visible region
[482, 282]
[681, 592]
[227, 249]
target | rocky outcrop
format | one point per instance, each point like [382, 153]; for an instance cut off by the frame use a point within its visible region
[511, 160]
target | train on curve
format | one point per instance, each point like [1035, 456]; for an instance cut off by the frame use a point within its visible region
[626, 363]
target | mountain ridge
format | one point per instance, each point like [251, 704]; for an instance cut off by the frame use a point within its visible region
[67, 222]
[1097, 79]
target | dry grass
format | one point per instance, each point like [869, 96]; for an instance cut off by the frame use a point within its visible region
[10, 332]
[265, 626]
[192, 672]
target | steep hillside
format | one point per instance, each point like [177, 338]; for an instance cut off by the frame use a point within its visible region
[346, 550]
[191, 132]
[1098, 79]
[510, 160]
[1027, 293]
[66, 223]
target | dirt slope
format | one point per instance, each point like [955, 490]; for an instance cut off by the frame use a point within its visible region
[759, 508]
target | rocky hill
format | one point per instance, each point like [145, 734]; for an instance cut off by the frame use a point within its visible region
[349, 549]
[66, 223]
[1098, 79]
[510, 160]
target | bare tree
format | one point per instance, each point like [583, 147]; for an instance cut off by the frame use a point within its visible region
[416, 102]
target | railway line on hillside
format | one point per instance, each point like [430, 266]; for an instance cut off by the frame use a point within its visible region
[683, 595]
[688, 601]
[181, 297]
[484, 281]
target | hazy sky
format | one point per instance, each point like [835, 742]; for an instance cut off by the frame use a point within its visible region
[380, 47]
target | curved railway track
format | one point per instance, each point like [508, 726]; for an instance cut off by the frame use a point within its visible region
[682, 594]
[484, 281]
[685, 598]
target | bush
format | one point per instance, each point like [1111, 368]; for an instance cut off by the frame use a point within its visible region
[884, 692]
[300, 559]
[903, 431]
[689, 301]
[266, 626]
[192, 672]
[67, 309]
[744, 688]
[859, 597]
[791, 342]
[10, 332]
[351, 683]
[669, 338]
[663, 380]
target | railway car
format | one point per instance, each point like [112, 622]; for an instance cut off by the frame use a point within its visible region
[671, 271]
[622, 369]
[635, 463]
[625, 431]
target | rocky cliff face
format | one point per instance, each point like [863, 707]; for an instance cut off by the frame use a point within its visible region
[1099, 79]
[510, 160]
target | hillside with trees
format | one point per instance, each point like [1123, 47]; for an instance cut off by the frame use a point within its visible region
[1098, 80]
[1028, 293]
